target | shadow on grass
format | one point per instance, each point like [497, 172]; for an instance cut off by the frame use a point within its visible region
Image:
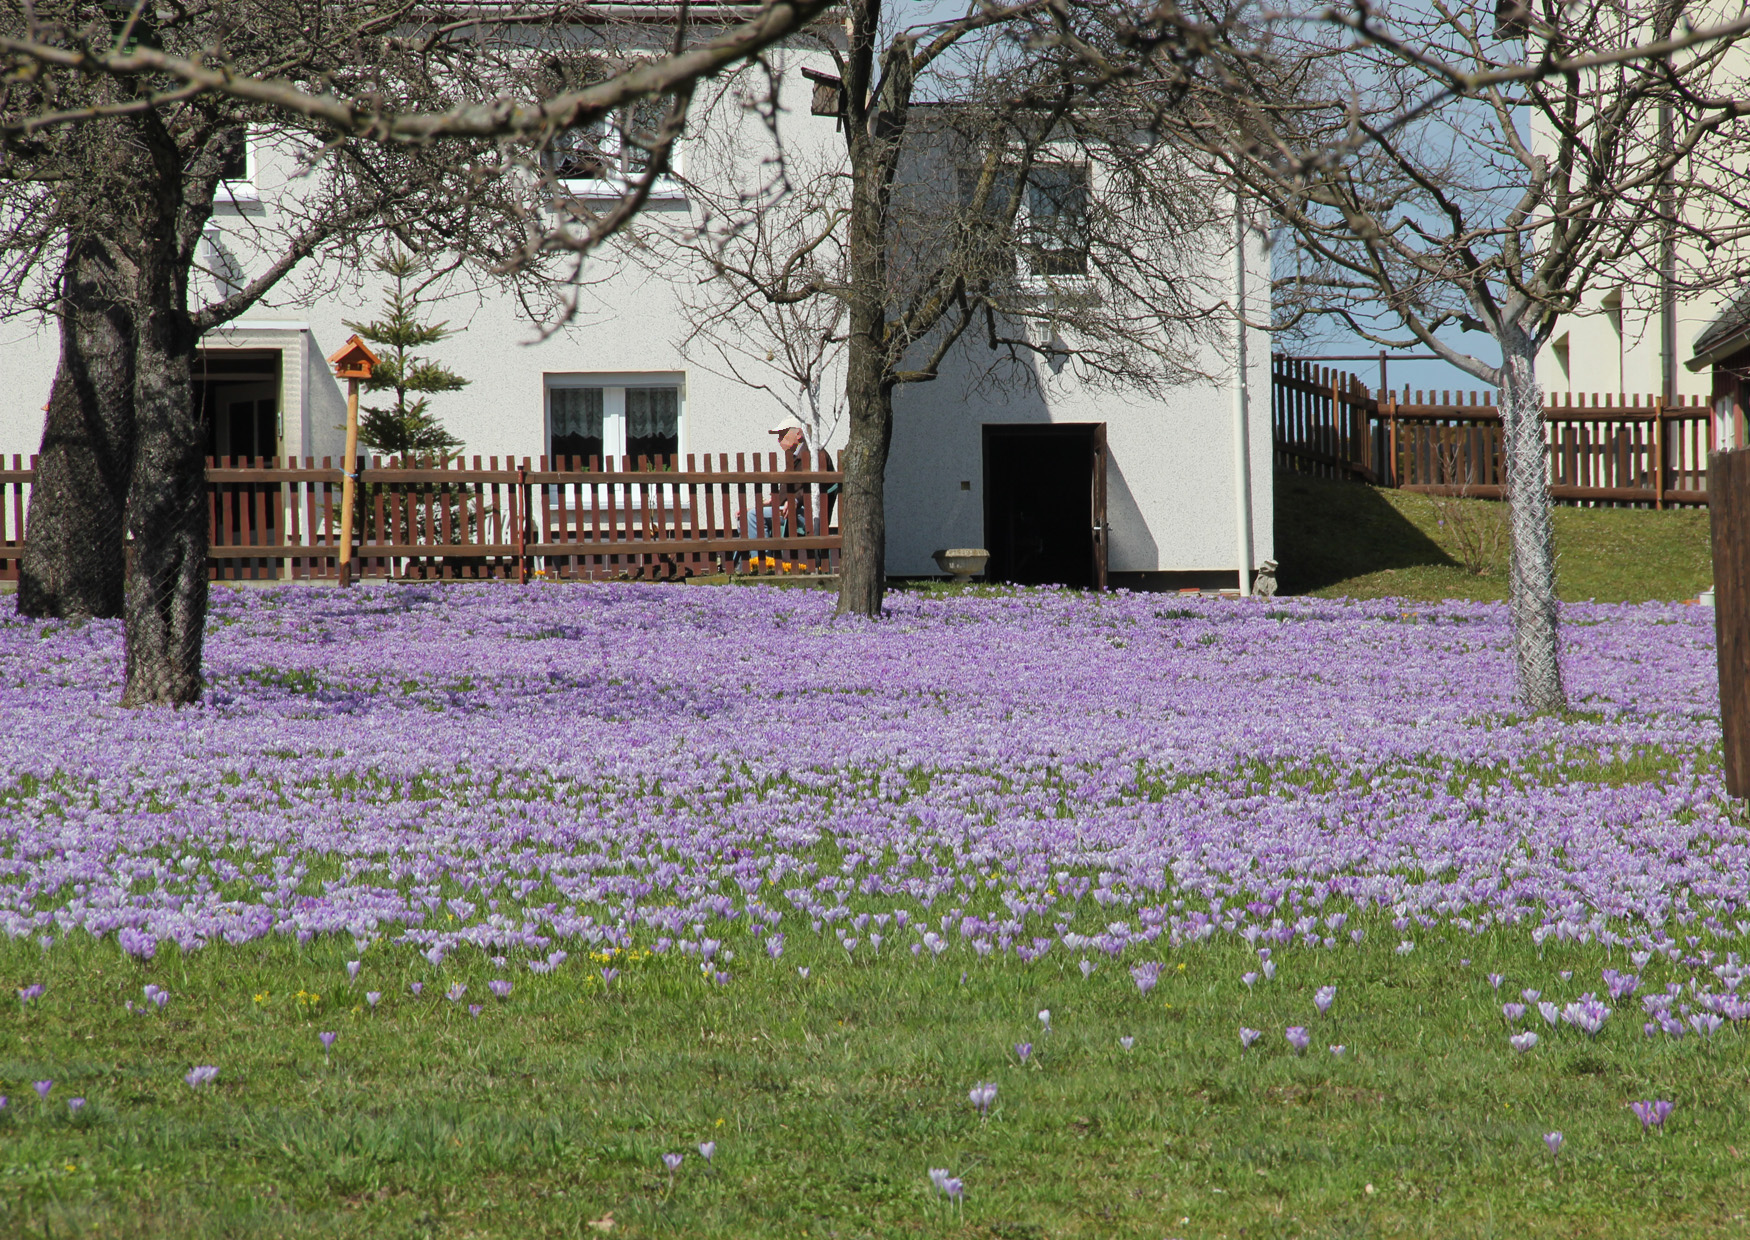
[1328, 532]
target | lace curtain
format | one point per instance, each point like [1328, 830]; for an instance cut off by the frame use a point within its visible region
[577, 411]
[652, 413]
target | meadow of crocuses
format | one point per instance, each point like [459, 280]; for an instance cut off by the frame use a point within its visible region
[492, 910]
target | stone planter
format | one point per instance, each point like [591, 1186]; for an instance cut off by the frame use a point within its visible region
[964, 563]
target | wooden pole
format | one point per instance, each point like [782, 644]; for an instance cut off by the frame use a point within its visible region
[349, 480]
[1658, 452]
[1728, 487]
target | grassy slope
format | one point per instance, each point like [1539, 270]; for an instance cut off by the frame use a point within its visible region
[1345, 539]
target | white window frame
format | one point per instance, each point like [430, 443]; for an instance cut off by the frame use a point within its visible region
[1029, 277]
[244, 188]
[614, 385]
[665, 188]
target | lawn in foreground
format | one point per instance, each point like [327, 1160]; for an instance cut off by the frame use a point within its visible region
[943, 816]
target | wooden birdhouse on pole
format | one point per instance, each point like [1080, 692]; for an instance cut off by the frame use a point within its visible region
[352, 362]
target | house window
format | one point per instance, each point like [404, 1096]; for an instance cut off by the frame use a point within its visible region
[575, 414]
[1055, 231]
[1051, 220]
[234, 162]
[609, 152]
[614, 417]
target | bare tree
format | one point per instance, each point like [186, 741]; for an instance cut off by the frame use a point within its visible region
[1479, 166]
[117, 125]
[994, 197]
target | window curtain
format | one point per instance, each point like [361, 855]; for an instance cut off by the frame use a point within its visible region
[578, 412]
[653, 413]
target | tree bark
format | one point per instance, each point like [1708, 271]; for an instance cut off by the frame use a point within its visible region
[863, 515]
[167, 573]
[72, 565]
[870, 138]
[1532, 604]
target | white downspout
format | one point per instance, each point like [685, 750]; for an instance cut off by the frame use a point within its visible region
[1242, 434]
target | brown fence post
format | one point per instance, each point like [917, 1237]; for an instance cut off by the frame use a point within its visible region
[521, 509]
[1729, 505]
[1658, 453]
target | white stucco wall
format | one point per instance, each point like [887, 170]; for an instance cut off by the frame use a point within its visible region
[1171, 483]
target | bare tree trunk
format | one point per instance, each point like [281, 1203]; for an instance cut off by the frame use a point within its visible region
[72, 564]
[863, 514]
[167, 574]
[871, 139]
[1531, 594]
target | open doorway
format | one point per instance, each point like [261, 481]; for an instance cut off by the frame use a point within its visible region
[238, 394]
[1045, 503]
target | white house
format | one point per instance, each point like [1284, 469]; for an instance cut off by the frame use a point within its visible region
[970, 466]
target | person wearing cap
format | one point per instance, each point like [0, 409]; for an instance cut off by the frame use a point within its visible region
[786, 513]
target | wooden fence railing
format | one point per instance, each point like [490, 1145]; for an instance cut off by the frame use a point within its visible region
[1605, 450]
[568, 519]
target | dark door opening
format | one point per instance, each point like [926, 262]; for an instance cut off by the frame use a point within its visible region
[1045, 504]
[238, 394]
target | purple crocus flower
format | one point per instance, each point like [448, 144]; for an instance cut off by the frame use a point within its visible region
[327, 1038]
[774, 945]
[75, 1105]
[42, 1089]
[474, 1010]
[1249, 1036]
[1554, 1141]
[939, 1177]
[983, 1094]
[1323, 998]
[1338, 1050]
[1495, 980]
[1250, 979]
[455, 992]
[1146, 975]
[1705, 1023]
[1531, 996]
[416, 988]
[1087, 967]
[1023, 1050]
[1587, 1015]
[1652, 1113]
[802, 971]
[1298, 1038]
[707, 1149]
[202, 1074]
[352, 969]
[673, 1162]
[1522, 1042]
[373, 997]
[499, 987]
[27, 993]
[608, 976]
[1127, 1042]
[1513, 1012]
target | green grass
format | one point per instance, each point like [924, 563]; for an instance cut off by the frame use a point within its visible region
[830, 1097]
[1345, 539]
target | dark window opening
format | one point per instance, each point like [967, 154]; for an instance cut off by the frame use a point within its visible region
[238, 394]
[576, 423]
[1057, 220]
[653, 422]
[234, 155]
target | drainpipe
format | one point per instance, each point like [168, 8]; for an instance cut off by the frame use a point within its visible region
[1667, 269]
[1242, 435]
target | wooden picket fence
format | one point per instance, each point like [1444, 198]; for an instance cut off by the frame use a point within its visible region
[1599, 450]
[653, 519]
